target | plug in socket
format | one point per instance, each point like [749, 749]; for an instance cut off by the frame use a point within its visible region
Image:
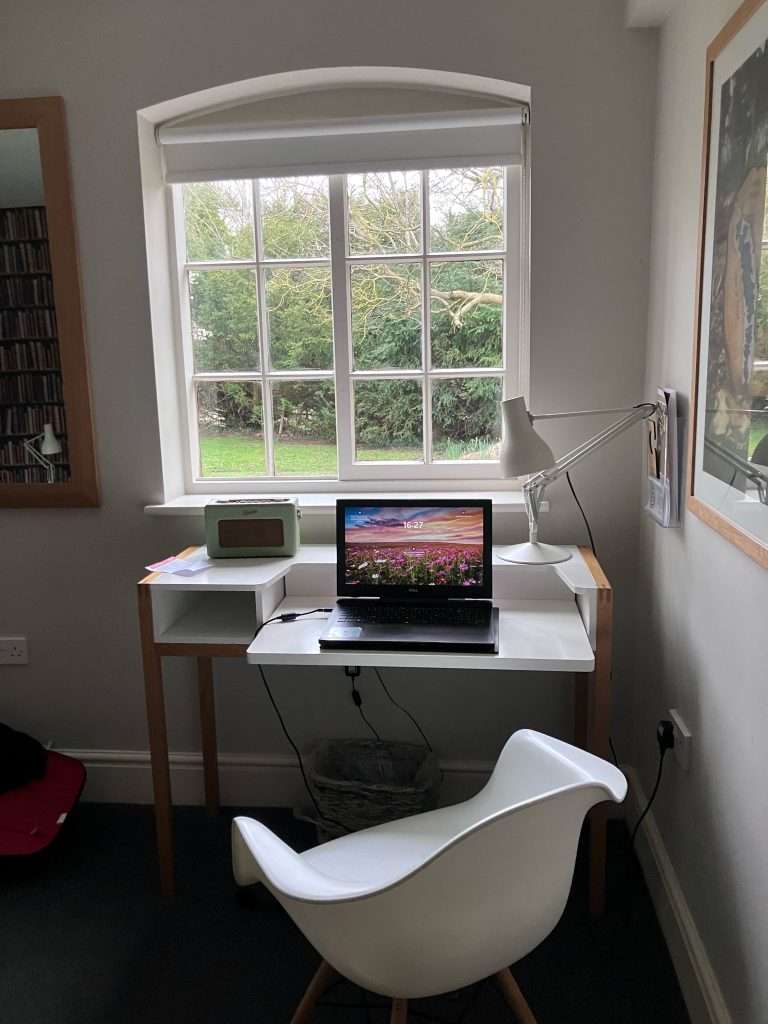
[683, 740]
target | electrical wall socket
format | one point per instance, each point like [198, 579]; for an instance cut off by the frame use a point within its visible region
[683, 740]
[13, 650]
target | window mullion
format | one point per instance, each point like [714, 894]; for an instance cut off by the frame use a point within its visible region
[426, 320]
[187, 390]
[266, 390]
[342, 349]
[512, 314]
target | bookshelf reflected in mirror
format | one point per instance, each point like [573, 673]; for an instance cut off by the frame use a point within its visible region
[46, 437]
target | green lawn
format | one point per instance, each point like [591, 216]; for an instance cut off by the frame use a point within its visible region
[233, 455]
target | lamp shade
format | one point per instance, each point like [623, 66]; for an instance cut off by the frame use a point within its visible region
[522, 452]
[50, 445]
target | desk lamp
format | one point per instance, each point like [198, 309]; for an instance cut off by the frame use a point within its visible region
[49, 445]
[524, 453]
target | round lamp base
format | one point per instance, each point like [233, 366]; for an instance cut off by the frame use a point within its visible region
[533, 554]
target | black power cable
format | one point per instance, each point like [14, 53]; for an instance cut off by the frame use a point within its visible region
[321, 817]
[652, 797]
[613, 753]
[583, 513]
[404, 710]
[665, 737]
[357, 698]
[289, 617]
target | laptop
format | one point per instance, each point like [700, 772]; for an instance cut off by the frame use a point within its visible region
[413, 575]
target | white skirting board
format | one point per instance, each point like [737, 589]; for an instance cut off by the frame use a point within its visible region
[245, 780]
[695, 973]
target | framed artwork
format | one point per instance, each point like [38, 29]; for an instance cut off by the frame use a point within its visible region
[728, 450]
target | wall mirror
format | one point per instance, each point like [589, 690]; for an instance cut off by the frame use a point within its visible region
[46, 433]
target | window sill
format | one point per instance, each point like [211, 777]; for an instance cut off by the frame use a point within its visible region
[320, 503]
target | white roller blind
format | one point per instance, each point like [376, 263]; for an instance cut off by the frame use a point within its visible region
[334, 131]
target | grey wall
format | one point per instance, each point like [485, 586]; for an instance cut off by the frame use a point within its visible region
[702, 640]
[68, 576]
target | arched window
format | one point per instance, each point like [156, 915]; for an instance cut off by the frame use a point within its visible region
[345, 280]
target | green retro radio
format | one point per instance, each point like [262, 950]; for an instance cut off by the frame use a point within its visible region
[252, 527]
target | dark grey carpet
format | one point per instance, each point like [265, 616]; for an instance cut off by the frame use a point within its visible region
[84, 939]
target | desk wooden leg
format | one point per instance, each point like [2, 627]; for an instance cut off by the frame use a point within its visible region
[208, 733]
[158, 742]
[581, 691]
[599, 731]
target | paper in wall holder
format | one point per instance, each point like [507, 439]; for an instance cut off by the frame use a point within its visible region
[663, 439]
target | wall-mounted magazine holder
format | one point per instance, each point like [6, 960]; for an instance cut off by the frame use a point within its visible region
[663, 455]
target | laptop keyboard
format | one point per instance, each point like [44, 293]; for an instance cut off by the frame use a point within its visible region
[467, 613]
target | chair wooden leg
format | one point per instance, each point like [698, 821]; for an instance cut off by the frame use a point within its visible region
[324, 977]
[514, 998]
[399, 1012]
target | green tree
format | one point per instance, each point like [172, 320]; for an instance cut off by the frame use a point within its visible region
[384, 216]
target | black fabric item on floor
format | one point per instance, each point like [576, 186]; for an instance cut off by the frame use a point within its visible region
[22, 758]
[85, 939]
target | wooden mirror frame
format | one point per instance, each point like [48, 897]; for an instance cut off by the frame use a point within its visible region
[46, 114]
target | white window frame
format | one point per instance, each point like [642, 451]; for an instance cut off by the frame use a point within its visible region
[352, 474]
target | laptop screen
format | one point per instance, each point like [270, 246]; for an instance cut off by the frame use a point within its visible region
[391, 547]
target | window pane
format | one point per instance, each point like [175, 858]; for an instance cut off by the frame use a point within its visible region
[466, 209]
[466, 418]
[218, 217]
[304, 418]
[300, 321]
[225, 323]
[231, 429]
[388, 420]
[386, 316]
[466, 303]
[384, 212]
[294, 217]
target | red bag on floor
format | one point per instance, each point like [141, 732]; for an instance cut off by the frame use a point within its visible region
[31, 815]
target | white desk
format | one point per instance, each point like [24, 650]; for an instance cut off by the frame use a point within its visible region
[533, 635]
[553, 618]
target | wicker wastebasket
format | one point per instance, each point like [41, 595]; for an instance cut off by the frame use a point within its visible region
[359, 783]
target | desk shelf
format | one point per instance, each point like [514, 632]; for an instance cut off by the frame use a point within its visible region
[212, 618]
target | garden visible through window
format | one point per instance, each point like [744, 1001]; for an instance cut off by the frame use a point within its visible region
[332, 324]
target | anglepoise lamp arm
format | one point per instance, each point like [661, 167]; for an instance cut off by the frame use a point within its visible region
[535, 485]
[29, 447]
[50, 445]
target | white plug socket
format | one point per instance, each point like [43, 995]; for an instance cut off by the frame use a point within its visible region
[683, 740]
[13, 650]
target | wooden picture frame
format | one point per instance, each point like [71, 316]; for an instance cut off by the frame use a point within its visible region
[80, 487]
[733, 106]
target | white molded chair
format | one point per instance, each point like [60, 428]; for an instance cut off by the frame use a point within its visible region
[438, 901]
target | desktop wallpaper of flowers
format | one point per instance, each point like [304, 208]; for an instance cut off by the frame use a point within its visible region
[406, 546]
